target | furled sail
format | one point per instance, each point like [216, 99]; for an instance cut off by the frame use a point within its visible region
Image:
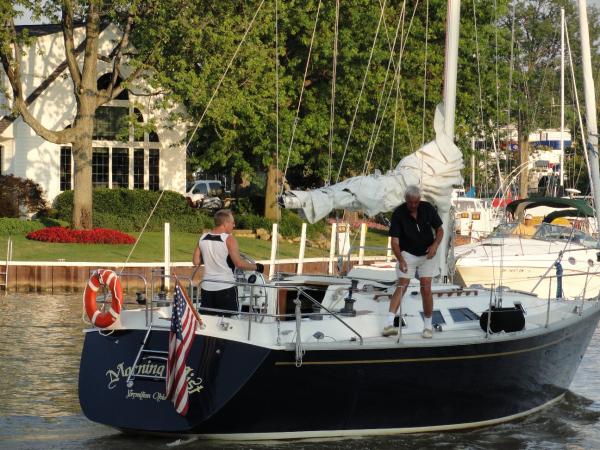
[435, 167]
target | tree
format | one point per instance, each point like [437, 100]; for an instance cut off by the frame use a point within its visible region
[82, 63]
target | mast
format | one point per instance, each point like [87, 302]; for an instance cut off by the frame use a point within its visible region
[450, 73]
[590, 108]
[451, 65]
[562, 97]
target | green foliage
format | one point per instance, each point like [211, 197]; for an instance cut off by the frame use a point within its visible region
[127, 210]
[252, 222]
[188, 45]
[9, 225]
[18, 194]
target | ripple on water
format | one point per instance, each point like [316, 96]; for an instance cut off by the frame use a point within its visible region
[40, 345]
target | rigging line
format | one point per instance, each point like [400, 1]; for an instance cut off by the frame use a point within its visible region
[224, 74]
[379, 126]
[333, 80]
[425, 72]
[361, 91]
[277, 179]
[142, 232]
[481, 118]
[397, 79]
[387, 36]
[387, 73]
[573, 129]
[497, 80]
[295, 124]
[424, 89]
[403, 39]
[583, 139]
[196, 127]
[410, 142]
[510, 72]
[543, 83]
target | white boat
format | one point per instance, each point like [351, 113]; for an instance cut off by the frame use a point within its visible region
[475, 218]
[524, 263]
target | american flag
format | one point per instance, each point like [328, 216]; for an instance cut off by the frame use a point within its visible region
[181, 337]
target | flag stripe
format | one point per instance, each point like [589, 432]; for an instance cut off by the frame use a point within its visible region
[181, 337]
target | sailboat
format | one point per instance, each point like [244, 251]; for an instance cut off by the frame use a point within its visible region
[305, 357]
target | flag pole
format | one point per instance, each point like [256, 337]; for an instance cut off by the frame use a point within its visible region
[189, 303]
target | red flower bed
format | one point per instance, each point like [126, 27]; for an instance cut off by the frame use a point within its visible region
[67, 235]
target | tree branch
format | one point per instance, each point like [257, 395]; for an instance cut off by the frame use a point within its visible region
[12, 68]
[90, 61]
[70, 53]
[118, 50]
[104, 97]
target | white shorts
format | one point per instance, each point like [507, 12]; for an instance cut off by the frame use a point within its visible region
[425, 267]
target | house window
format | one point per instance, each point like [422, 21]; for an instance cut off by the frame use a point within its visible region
[436, 318]
[138, 168]
[65, 168]
[463, 314]
[100, 167]
[111, 123]
[153, 161]
[120, 167]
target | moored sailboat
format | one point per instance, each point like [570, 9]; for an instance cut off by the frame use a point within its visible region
[305, 356]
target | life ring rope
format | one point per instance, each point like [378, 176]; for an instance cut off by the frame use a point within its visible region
[109, 279]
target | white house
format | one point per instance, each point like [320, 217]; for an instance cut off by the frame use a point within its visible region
[153, 161]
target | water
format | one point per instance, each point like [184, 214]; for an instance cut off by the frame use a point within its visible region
[40, 345]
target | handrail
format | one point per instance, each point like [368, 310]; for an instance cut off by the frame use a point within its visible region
[332, 314]
[298, 289]
[250, 313]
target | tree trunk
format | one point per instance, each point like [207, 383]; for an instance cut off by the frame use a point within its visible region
[82, 159]
[82, 185]
[271, 208]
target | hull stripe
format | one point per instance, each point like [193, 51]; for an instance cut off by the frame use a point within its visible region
[427, 359]
[373, 431]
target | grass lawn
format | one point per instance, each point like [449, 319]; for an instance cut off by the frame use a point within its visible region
[150, 249]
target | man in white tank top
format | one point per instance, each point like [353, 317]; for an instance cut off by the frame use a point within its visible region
[219, 252]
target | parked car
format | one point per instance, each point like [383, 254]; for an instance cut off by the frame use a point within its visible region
[205, 194]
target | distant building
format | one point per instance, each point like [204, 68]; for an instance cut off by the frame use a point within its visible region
[544, 153]
[122, 156]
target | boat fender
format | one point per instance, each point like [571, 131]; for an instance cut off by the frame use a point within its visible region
[110, 279]
[503, 319]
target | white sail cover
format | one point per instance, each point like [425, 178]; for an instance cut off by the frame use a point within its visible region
[435, 168]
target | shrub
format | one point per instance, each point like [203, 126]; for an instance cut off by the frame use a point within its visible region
[128, 210]
[10, 225]
[67, 235]
[252, 222]
[18, 194]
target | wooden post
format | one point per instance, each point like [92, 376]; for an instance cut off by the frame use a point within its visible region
[388, 253]
[302, 248]
[273, 251]
[167, 282]
[363, 239]
[332, 245]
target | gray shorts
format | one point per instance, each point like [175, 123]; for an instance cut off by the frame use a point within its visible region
[426, 267]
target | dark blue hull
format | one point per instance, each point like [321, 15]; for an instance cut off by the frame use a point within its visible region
[238, 388]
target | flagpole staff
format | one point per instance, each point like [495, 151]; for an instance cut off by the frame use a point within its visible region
[201, 324]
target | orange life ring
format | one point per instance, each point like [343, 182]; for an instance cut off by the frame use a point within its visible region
[111, 280]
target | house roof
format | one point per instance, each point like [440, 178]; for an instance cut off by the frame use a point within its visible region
[45, 29]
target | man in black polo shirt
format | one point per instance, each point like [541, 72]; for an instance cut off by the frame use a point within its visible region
[414, 245]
